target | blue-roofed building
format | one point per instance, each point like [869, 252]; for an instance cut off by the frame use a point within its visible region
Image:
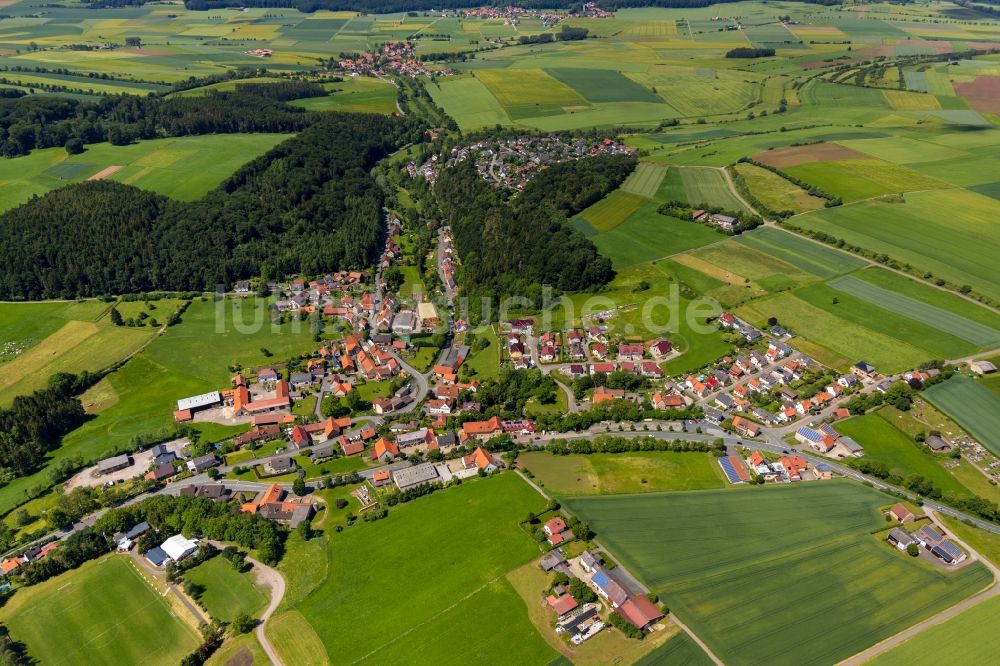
[949, 552]
[601, 579]
[609, 588]
[808, 436]
[157, 556]
[928, 537]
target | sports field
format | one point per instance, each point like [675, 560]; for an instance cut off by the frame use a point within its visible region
[102, 613]
[974, 407]
[613, 473]
[708, 561]
[462, 582]
[227, 592]
[182, 167]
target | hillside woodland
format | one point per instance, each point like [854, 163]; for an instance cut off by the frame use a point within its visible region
[513, 246]
[307, 206]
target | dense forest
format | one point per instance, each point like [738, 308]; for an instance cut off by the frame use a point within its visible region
[515, 246]
[34, 424]
[393, 6]
[40, 121]
[572, 186]
[307, 206]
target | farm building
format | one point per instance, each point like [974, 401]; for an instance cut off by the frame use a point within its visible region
[937, 443]
[900, 538]
[109, 465]
[982, 367]
[418, 475]
[640, 612]
[561, 605]
[901, 514]
[197, 403]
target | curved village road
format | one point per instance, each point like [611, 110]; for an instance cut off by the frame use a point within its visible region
[419, 377]
[268, 577]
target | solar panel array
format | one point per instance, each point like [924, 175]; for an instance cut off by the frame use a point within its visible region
[730, 470]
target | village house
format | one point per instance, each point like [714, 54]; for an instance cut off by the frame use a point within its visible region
[384, 450]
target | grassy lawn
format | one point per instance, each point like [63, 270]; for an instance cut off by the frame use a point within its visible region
[368, 391]
[240, 651]
[424, 358]
[885, 443]
[972, 406]
[102, 613]
[612, 473]
[227, 591]
[460, 582]
[484, 363]
[706, 552]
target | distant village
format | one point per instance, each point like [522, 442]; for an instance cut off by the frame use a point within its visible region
[511, 163]
[393, 57]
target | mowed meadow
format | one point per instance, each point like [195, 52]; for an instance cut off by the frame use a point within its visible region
[105, 612]
[742, 567]
[439, 619]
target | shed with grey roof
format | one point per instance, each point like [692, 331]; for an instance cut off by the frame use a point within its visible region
[411, 477]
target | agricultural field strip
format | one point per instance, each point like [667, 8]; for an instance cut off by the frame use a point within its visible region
[972, 406]
[947, 322]
[645, 180]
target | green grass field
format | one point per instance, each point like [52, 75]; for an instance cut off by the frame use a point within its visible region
[946, 322]
[680, 650]
[969, 638]
[846, 589]
[833, 340]
[862, 178]
[102, 613]
[484, 363]
[612, 473]
[775, 192]
[610, 211]
[360, 95]
[227, 591]
[645, 180]
[885, 443]
[708, 186]
[955, 245]
[810, 256]
[460, 582]
[646, 235]
[182, 168]
[972, 406]
[50, 337]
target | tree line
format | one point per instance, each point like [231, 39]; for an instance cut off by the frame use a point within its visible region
[307, 206]
[514, 246]
[35, 424]
[27, 123]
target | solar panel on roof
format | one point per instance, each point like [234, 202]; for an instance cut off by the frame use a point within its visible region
[730, 471]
